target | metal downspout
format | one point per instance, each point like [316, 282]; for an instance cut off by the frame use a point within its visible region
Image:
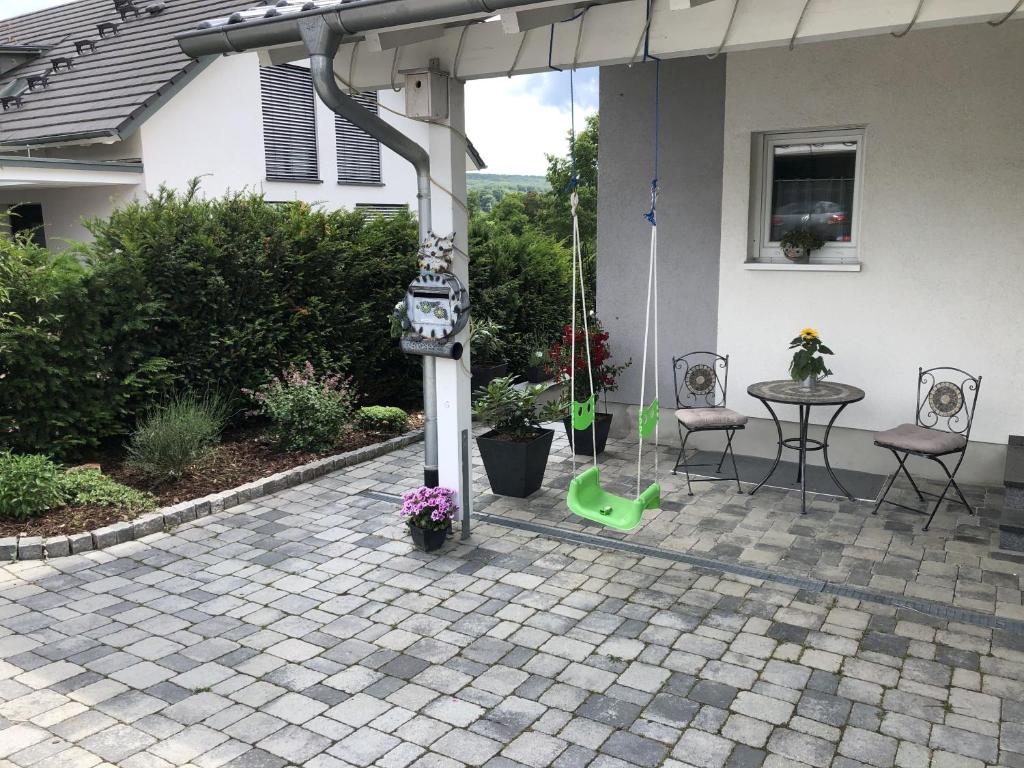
[322, 44]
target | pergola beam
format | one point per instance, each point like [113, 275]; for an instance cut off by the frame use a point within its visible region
[611, 33]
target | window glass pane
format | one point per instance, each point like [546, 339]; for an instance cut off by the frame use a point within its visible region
[812, 188]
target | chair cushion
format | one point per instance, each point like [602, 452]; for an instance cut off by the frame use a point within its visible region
[910, 437]
[710, 418]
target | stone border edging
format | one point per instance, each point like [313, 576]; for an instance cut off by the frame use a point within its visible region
[19, 548]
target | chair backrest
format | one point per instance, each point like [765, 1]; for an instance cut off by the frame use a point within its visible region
[701, 379]
[946, 398]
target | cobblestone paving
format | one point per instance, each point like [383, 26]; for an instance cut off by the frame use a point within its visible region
[302, 630]
[957, 562]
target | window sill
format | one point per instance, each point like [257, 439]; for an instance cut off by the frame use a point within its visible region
[767, 266]
[361, 184]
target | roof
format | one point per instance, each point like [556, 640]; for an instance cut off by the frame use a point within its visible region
[106, 92]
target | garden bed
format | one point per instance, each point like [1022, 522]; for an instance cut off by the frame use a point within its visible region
[243, 456]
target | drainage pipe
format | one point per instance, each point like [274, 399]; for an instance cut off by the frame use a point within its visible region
[322, 42]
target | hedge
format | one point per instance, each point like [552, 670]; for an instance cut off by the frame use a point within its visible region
[180, 292]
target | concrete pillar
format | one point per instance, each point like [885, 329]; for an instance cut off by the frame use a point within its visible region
[448, 167]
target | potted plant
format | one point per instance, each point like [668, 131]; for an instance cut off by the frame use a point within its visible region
[429, 513]
[515, 451]
[605, 380]
[538, 360]
[807, 365]
[797, 245]
[486, 347]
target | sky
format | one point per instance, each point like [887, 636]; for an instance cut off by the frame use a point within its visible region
[513, 122]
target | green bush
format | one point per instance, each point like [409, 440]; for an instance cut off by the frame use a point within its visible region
[520, 279]
[89, 487]
[237, 288]
[29, 486]
[385, 419]
[175, 438]
[307, 412]
[67, 377]
[179, 292]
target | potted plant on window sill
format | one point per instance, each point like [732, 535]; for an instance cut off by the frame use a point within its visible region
[486, 348]
[515, 451]
[797, 245]
[429, 513]
[592, 440]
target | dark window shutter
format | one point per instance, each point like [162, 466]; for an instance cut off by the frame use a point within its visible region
[386, 210]
[289, 124]
[358, 152]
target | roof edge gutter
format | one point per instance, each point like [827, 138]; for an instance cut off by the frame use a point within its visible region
[350, 19]
[322, 39]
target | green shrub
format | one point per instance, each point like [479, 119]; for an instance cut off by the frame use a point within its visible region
[29, 486]
[385, 419]
[67, 378]
[520, 279]
[239, 288]
[485, 340]
[92, 488]
[180, 292]
[175, 438]
[307, 412]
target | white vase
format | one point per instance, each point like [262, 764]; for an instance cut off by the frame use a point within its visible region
[811, 382]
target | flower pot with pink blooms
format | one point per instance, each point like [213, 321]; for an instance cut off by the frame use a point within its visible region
[429, 513]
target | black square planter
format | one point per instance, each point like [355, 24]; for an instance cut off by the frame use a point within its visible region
[582, 440]
[515, 467]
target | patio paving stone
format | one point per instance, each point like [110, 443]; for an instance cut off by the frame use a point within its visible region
[301, 629]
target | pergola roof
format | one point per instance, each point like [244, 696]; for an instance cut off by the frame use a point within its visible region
[489, 38]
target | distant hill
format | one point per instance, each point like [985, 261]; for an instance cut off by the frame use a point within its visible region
[506, 182]
[492, 187]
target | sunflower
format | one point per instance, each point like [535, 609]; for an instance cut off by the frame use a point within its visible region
[808, 333]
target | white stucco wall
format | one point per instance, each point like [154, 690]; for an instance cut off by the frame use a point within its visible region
[213, 127]
[65, 210]
[942, 232]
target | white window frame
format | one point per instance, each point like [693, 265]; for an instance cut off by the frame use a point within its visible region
[765, 253]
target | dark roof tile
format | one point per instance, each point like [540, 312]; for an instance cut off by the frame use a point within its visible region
[107, 87]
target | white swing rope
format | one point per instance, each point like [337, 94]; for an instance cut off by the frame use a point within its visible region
[577, 270]
[652, 292]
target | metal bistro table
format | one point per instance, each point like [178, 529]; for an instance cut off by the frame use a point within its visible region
[788, 392]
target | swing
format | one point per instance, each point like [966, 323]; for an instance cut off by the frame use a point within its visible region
[586, 497]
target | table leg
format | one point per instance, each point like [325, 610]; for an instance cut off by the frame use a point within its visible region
[778, 453]
[805, 413]
[824, 453]
[800, 463]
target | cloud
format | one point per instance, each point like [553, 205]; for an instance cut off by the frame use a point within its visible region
[515, 123]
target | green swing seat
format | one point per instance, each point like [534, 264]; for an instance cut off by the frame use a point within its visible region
[587, 499]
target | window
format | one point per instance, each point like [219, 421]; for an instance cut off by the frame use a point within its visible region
[358, 151]
[810, 181]
[27, 218]
[386, 210]
[289, 124]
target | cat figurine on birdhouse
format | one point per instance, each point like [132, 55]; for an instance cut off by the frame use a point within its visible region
[436, 253]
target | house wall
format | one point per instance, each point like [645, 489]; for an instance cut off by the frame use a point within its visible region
[214, 128]
[689, 212]
[65, 210]
[942, 227]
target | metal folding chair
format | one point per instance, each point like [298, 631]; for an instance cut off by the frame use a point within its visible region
[946, 399]
[701, 380]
